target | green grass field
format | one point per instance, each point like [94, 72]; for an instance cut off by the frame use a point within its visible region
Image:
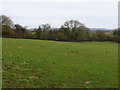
[52, 64]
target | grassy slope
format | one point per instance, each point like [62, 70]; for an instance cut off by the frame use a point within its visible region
[37, 63]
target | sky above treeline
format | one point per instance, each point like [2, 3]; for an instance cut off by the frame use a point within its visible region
[92, 13]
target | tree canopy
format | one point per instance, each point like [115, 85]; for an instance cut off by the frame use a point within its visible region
[71, 30]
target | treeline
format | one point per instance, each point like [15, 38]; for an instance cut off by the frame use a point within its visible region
[71, 30]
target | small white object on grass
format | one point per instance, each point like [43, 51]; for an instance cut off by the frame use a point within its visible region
[87, 82]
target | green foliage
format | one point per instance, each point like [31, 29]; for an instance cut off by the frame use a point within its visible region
[116, 35]
[7, 31]
[38, 33]
[101, 35]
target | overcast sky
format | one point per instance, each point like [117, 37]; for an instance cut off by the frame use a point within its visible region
[92, 13]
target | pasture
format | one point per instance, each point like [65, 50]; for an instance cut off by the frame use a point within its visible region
[30, 63]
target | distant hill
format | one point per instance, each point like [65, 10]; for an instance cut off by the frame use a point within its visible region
[104, 29]
[31, 29]
[92, 29]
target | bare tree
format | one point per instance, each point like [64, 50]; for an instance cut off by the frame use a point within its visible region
[6, 21]
[73, 25]
[45, 27]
